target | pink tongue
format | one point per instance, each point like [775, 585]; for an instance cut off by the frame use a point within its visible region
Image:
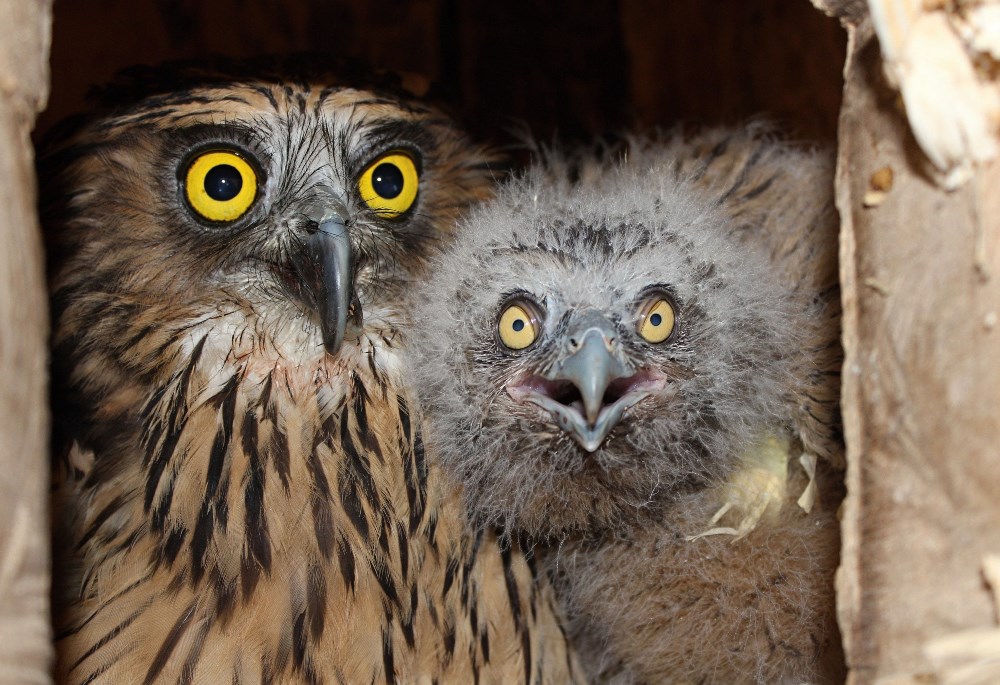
[566, 393]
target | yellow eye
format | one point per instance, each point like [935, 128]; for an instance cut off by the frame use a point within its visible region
[517, 327]
[656, 320]
[389, 185]
[220, 185]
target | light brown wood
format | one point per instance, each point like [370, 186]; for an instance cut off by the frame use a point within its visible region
[920, 269]
[25, 640]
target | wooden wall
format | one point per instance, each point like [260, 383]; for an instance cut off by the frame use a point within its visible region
[920, 275]
[25, 640]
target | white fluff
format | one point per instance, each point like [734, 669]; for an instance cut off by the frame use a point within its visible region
[740, 228]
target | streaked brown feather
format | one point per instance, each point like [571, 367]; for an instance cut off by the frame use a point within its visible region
[235, 504]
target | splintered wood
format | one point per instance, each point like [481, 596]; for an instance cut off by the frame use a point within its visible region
[942, 57]
[25, 649]
[966, 657]
[920, 269]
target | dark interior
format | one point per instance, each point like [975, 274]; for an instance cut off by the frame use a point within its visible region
[572, 70]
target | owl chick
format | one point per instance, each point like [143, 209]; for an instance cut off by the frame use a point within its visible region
[242, 493]
[624, 361]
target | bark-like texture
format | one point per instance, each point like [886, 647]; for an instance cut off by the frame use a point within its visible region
[25, 649]
[920, 270]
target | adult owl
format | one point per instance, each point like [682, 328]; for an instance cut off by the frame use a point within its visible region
[242, 492]
[635, 361]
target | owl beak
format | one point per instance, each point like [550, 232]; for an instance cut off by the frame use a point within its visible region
[607, 386]
[591, 368]
[324, 265]
[588, 392]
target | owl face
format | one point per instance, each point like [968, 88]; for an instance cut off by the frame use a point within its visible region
[620, 349]
[294, 210]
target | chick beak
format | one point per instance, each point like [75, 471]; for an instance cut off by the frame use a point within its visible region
[587, 392]
[591, 368]
[324, 264]
[607, 386]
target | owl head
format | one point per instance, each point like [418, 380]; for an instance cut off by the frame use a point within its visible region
[597, 341]
[278, 205]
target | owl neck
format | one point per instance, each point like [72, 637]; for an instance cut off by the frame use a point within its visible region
[236, 450]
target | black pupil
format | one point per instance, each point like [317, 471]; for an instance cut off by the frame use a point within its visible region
[387, 180]
[518, 325]
[223, 182]
[656, 319]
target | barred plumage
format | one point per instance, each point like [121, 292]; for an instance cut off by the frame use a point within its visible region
[242, 493]
[655, 348]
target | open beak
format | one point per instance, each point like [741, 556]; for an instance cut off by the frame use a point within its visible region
[324, 266]
[588, 391]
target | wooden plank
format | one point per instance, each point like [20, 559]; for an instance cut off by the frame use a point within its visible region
[25, 649]
[920, 269]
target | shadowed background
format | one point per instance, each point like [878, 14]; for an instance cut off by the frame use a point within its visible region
[572, 69]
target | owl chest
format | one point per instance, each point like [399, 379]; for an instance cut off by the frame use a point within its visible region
[279, 523]
[265, 534]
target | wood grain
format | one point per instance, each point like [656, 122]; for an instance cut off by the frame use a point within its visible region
[920, 272]
[25, 650]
